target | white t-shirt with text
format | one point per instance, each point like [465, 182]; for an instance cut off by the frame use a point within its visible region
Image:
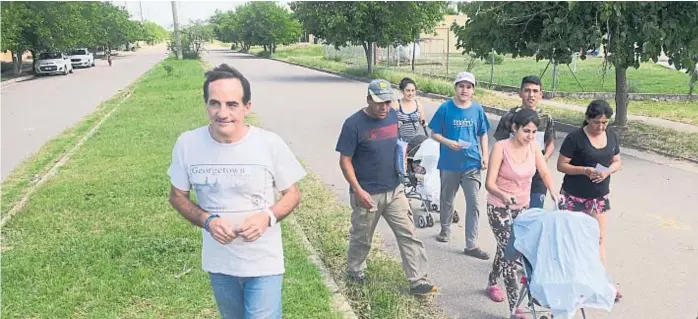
[236, 180]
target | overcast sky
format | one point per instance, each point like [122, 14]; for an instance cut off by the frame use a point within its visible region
[160, 12]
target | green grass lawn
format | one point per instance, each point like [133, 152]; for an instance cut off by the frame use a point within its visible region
[649, 78]
[100, 240]
[16, 184]
[684, 112]
[326, 222]
[637, 134]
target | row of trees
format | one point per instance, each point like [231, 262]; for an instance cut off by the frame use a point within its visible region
[336, 22]
[62, 26]
[369, 23]
[193, 37]
[256, 23]
[628, 32]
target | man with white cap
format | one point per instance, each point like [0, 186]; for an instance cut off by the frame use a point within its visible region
[461, 126]
[367, 146]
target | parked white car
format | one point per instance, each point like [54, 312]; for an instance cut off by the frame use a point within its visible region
[82, 58]
[53, 63]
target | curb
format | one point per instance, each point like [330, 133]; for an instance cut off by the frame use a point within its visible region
[18, 79]
[339, 302]
[559, 126]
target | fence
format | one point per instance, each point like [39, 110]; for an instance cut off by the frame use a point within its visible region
[437, 58]
[436, 55]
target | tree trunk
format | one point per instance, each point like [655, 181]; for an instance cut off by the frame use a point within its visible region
[375, 54]
[621, 97]
[368, 49]
[35, 56]
[17, 59]
[414, 54]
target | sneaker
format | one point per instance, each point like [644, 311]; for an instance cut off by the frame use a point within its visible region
[495, 293]
[424, 289]
[618, 296]
[357, 277]
[443, 236]
[477, 253]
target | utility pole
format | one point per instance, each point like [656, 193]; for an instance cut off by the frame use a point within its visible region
[178, 38]
[140, 4]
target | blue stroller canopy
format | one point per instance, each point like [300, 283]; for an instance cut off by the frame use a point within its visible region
[562, 251]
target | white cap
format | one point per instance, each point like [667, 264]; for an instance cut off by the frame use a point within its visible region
[464, 76]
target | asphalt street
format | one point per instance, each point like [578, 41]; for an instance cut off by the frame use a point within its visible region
[652, 239]
[37, 110]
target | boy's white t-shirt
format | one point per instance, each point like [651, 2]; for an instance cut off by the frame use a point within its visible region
[236, 180]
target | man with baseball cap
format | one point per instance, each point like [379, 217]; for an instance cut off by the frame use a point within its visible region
[367, 146]
[460, 126]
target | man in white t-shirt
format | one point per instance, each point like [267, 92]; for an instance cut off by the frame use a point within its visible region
[235, 169]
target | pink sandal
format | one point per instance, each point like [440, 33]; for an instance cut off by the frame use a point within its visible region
[618, 296]
[496, 294]
[521, 313]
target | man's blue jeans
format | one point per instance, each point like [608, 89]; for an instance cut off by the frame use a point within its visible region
[247, 297]
[537, 200]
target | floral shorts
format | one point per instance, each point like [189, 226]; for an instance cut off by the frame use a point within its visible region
[589, 206]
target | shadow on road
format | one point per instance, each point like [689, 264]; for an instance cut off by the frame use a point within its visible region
[220, 50]
[31, 79]
[231, 54]
[244, 56]
[319, 78]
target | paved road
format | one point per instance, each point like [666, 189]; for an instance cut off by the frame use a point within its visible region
[652, 241]
[38, 110]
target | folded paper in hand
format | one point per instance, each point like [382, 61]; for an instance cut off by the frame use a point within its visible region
[463, 144]
[601, 169]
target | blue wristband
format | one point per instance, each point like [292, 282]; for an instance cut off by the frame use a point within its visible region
[208, 220]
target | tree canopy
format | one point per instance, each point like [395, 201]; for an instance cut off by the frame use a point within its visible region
[257, 23]
[193, 37]
[62, 26]
[629, 32]
[342, 23]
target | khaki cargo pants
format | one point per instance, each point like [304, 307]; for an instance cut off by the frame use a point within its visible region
[394, 207]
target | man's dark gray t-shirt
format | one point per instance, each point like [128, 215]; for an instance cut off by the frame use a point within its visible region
[371, 143]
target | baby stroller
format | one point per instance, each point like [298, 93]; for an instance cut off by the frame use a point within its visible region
[422, 180]
[562, 270]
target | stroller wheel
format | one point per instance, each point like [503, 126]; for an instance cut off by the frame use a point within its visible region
[456, 218]
[421, 222]
[430, 221]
